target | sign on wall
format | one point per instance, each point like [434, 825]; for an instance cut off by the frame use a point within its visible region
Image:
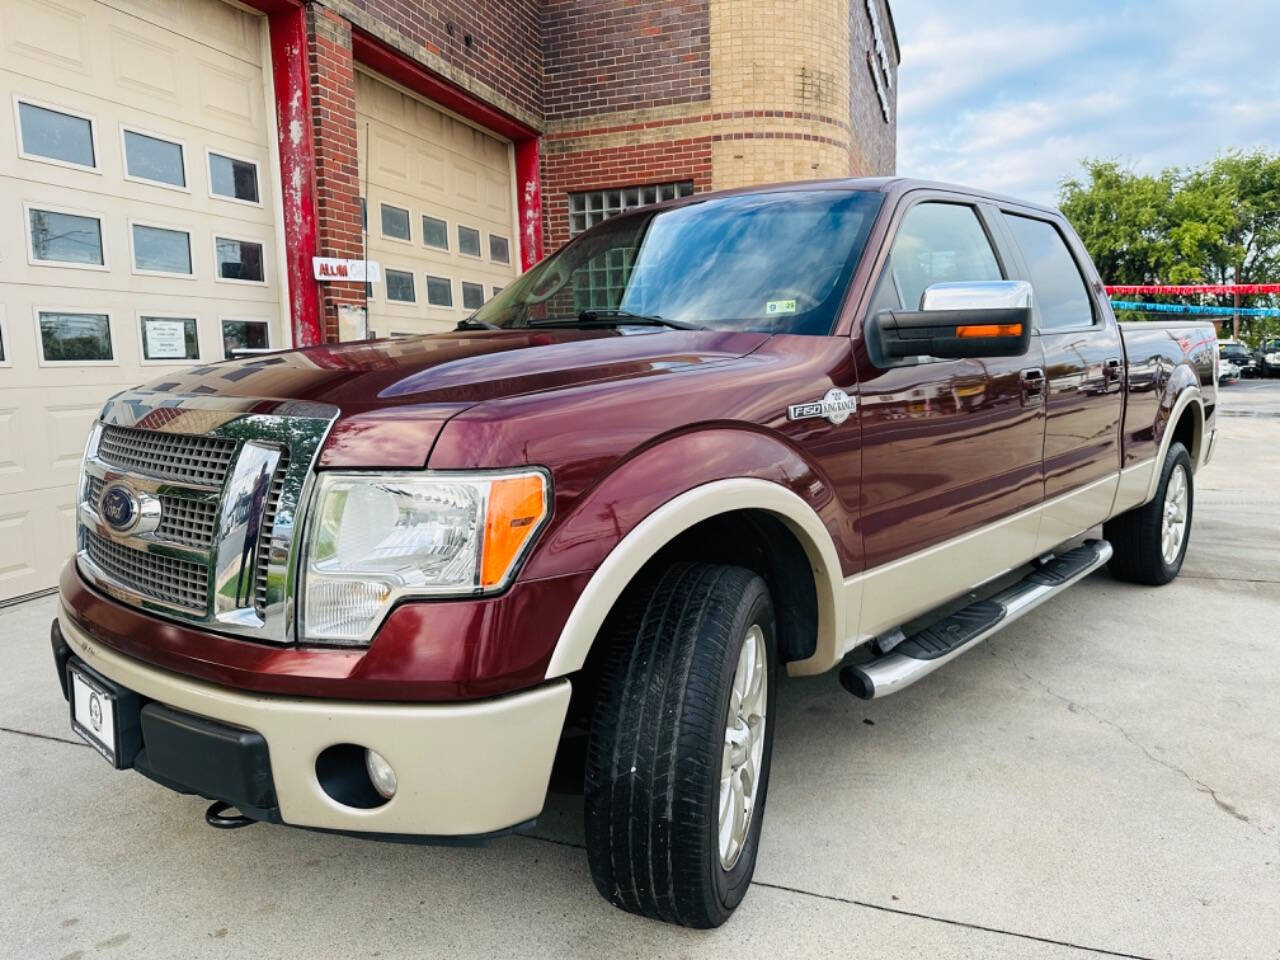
[334, 268]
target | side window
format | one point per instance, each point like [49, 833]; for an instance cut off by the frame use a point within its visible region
[1060, 291]
[936, 243]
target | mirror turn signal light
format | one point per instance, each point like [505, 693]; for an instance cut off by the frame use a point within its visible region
[990, 330]
[517, 506]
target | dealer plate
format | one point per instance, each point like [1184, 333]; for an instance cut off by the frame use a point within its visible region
[93, 714]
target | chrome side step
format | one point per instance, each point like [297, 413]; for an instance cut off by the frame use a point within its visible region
[919, 655]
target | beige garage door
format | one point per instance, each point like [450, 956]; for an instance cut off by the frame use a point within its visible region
[439, 210]
[138, 230]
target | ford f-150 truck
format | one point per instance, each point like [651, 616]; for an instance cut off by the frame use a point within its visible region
[853, 426]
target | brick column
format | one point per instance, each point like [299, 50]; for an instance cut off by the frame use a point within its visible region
[337, 177]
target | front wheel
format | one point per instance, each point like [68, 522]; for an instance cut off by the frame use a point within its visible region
[1149, 542]
[679, 745]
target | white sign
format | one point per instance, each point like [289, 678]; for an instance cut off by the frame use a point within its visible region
[878, 38]
[333, 268]
[166, 339]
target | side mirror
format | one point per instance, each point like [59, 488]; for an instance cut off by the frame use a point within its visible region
[958, 320]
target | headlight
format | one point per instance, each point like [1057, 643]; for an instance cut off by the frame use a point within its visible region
[374, 538]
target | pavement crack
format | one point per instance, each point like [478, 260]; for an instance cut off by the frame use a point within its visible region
[1076, 707]
[899, 911]
[43, 736]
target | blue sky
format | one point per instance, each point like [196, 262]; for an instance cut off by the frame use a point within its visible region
[1011, 95]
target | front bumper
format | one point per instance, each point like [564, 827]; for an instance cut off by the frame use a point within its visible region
[463, 769]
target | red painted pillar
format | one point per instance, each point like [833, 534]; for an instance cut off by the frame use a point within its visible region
[297, 169]
[529, 200]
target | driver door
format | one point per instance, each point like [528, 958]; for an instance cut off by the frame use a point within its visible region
[951, 449]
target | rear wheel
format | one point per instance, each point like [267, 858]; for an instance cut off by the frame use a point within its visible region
[679, 745]
[1150, 541]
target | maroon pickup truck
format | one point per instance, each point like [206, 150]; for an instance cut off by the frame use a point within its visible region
[853, 426]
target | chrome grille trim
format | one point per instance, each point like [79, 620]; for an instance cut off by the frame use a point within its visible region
[173, 448]
[182, 458]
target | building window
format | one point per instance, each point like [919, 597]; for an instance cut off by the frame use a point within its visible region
[499, 249]
[244, 335]
[65, 238]
[469, 241]
[435, 232]
[596, 206]
[395, 223]
[169, 338]
[472, 295]
[364, 216]
[233, 178]
[48, 134]
[400, 286]
[496, 291]
[68, 337]
[439, 292]
[239, 260]
[153, 159]
[161, 250]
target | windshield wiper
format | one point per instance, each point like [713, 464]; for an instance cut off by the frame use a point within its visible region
[615, 318]
[471, 323]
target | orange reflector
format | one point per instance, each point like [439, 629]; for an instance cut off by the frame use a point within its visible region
[990, 330]
[516, 504]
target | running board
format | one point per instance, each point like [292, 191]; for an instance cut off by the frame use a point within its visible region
[922, 653]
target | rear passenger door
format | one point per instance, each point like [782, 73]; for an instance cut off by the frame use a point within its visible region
[1084, 366]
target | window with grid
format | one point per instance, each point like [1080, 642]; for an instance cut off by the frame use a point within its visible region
[594, 206]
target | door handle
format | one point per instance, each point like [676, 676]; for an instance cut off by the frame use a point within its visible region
[1112, 363]
[1032, 384]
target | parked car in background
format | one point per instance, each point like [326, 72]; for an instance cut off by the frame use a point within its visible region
[1239, 356]
[366, 587]
[1268, 358]
[1228, 369]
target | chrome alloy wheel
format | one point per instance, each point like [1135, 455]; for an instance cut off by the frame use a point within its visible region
[1174, 527]
[743, 747]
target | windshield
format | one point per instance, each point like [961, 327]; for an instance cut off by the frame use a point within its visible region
[771, 262]
[1233, 350]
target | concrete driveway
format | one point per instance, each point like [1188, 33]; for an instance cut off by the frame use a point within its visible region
[1102, 778]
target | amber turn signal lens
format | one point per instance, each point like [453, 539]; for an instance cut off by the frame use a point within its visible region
[516, 507]
[990, 330]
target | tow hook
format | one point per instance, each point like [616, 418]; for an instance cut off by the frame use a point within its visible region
[216, 816]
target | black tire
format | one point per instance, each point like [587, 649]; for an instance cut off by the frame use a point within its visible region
[657, 738]
[1136, 534]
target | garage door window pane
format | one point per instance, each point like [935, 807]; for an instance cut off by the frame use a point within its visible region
[240, 260]
[469, 241]
[400, 286]
[170, 338]
[234, 179]
[472, 295]
[244, 335]
[57, 136]
[75, 337]
[439, 292]
[150, 158]
[1061, 295]
[435, 232]
[161, 250]
[395, 223]
[499, 249]
[65, 237]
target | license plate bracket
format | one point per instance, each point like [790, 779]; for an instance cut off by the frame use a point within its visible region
[106, 715]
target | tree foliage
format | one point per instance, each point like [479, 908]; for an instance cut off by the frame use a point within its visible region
[1214, 223]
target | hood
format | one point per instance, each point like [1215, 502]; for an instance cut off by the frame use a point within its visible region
[395, 395]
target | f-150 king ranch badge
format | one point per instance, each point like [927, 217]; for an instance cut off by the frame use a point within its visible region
[836, 406]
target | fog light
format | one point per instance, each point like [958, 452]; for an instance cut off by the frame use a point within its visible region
[381, 775]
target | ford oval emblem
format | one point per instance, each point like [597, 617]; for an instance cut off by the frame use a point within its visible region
[118, 506]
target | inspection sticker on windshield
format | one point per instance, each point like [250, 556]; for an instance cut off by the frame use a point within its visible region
[780, 306]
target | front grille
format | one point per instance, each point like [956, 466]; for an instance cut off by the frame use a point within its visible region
[168, 456]
[192, 523]
[264, 536]
[166, 579]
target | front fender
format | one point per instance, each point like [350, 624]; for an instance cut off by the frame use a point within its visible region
[654, 496]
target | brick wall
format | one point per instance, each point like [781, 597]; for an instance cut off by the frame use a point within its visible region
[627, 165]
[491, 48]
[333, 119]
[601, 56]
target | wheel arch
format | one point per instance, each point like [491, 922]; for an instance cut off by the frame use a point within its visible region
[1185, 422]
[685, 513]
